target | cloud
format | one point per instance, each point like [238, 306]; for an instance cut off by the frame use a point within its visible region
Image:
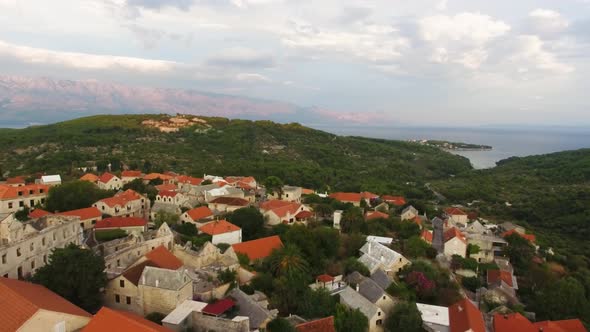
[242, 57]
[464, 27]
[159, 4]
[530, 53]
[352, 15]
[547, 22]
[252, 78]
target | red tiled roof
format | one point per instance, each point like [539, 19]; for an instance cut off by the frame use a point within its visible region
[113, 320]
[259, 248]
[232, 201]
[286, 210]
[153, 176]
[134, 273]
[463, 316]
[131, 174]
[368, 195]
[512, 323]
[318, 325]
[417, 220]
[219, 307]
[568, 325]
[119, 222]
[106, 177]
[89, 177]
[166, 186]
[20, 300]
[199, 213]
[16, 180]
[376, 215]
[304, 215]
[452, 211]
[121, 199]
[305, 191]
[497, 275]
[189, 179]
[164, 259]
[346, 197]
[219, 227]
[9, 192]
[38, 213]
[395, 200]
[426, 236]
[84, 214]
[324, 278]
[452, 233]
[272, 204]
[167, 193]
[529, 237]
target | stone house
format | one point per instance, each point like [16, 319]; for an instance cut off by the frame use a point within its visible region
[50, 180]
[125, 204]
[127, 224]
[88, 216]
[128, 176]
[225, 191]
[25, 247]
[227, 204]
[377, 256]
[276, 212]
[189, 316]
[455, 243]
[222, 231]
[108, 181]
[409, 213]
[353, 198]
[173, 198]
[198, 216]
[16, 198]
[257, 314]
[114, 320]
[29, 307]
[456, 216]
[353, 300]
[289, 194]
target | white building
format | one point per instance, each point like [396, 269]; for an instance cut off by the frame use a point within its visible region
[125, 204]
[434, 318]
[108, 181]
[51, 180]
[222, 231]
[15, 198]
[25, 247]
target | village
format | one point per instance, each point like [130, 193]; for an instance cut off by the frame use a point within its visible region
[190, 259]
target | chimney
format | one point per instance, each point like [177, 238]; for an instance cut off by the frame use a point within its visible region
[143, 280]
[157, 282]
[357, 287]
[369, 248]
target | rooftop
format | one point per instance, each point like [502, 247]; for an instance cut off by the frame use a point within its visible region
[199, 213]
[318, 325]
[118, 222]
[219, 227]
[464, 316]
[86, 213]
[259, 248]
[113, 320]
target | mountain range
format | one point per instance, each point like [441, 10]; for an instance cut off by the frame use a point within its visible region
[28, 100]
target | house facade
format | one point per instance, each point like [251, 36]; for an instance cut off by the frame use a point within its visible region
[16, 198]
[125, 204]
[227, 204]
[109, 181]
[455, 243]
[88, 216]
[377, 256]
[222, 231]
[25, 247]
[198, 216]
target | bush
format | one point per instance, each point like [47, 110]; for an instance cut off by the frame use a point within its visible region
[155, 317]
[471, 283]
[109, 235]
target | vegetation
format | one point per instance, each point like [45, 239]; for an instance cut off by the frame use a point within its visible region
[74, 195]
[109, 234]
[347, 320]
[76, 274]
[404, 317]
[250, 220]
[280, 325]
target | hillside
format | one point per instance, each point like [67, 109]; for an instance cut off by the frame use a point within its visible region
[549, 193]
[297, 154]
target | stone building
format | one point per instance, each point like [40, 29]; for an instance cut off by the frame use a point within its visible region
[125, 204]
[15, 198]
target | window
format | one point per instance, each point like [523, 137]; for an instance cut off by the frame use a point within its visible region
[117, 298]
[10, 205]
[20, 193]
[32, 202]
[118, 262]
[41, 191]
[18, 252]
[43, 241]
[6, 275]
[42, 200]
[384, 297]
[4, 259]
[54, 237]
[32, 265]
[21, 203]
[379, 313]
[44, 259]
[30, 192]
[128, 300]
[122, 283]
[82, 224]
[93, 222]
[32, 246]
[379, 322]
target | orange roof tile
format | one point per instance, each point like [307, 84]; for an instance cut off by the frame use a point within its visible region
[219, 227]
[318, 325]
[189, 179]
[89, 177]
[131, 174]
[16, 180]
[452, 211]
[417, 220]
[121, 199]
[134, 273]
[452, 233]
[38, 213]
[166, 186]
[346, 197]
[304, 215]
[395, 200]
[106, 177]
[568, 325]
[167, 193]
[20, 300]
[9, 192]
[497, 275]
[371, 215]
[324, 278]
[232, 201]
[284, 211]
[164, 259]
[153, 176]
[272, 204]
[84, 214]
[426, 236]
[463, 316]
[305, 191]
[368, 195]
[119, 222]
[529, 237]
[259, 248]
[199, 213]
[113, 320]
[512, 323]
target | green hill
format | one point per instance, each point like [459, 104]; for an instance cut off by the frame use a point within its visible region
[298, 155]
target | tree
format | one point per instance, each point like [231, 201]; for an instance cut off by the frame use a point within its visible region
[289, 291]
[351, 264]
[227, 276]
[317, 303]
[280, 324]
[353, 221]
[188, 229]
[404, 317]
[166, 217]
[22, 215]
[76, 274]
[250, 220]
[520, 251]
[471, 283]
[287, 261]
[74, 195]
[347, 320]
[472, 249]
[274, 185]
[562, 300]
[139, 186]
[416, 247]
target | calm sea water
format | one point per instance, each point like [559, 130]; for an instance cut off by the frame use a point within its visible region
[505, 142]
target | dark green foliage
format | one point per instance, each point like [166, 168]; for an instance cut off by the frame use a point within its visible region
[564, 299]
[353, 221]
[317, 303]
[223, 246]
[405, 317]
[227, 275]
[273, 185]
[520, 251]
[188, 229]
[346, 320]
[74, 195]
[352, 264]
[416, 247]
[318, 245]
[279, 324]
[109, 234]
[250, 220]
[137, 185]
[75, 274]
[471, 283]
[166, 217]
[22, 215]
[287, 261]
[289, 291]
[243, 259]
[262, 282]
[155, 317]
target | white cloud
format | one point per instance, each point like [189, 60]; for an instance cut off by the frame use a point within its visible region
[441, 5]
[530, 53]
[473, 59]
[546, 21]
[466, 27]
[252, 78]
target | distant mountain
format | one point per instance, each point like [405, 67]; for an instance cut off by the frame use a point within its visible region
[25, 100]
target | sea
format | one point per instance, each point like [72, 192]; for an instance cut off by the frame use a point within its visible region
[505, 142]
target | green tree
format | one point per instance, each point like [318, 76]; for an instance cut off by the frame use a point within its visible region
[415, 247]
[520, 251]
[22, 215]
[75, 274]
[352, 264]
[353, 221]
[274, 185]
[472, 249]
[188, 229]
[562, 300]
[404, 317]
[250, 220]
[227, 275]
[280, 324]
[166, 217]
[287, 261]
[317, 303]
[74, 195]
[289, 291]
[347, 320]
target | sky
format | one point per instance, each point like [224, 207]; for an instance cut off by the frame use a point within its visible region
[419, 62]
